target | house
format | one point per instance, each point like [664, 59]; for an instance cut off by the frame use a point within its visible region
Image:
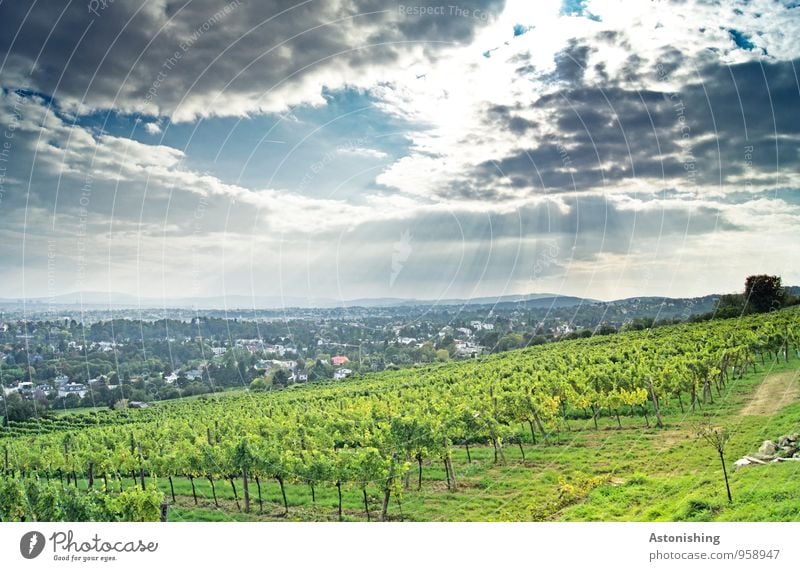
[42, 390]
[289, 365]
[340, 374]
[138, 404]
[25, 388]
[73, 389]
[61, 380]
[339, 360]
[171, 378]
[467, 349]
[217, 351]
[193, 375]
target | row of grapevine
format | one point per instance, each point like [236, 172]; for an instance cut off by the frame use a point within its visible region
[378, 432]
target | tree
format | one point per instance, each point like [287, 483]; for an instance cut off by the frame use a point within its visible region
[259, 384]
[764, 293]
[17, 409]
[280, 377]
[242, 459]
[718, 438]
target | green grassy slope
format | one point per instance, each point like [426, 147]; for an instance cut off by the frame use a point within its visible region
[610, 474]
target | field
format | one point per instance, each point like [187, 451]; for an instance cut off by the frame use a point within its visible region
[563, 432]
[643, 474]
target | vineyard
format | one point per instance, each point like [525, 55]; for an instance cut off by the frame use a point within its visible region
[526, 435]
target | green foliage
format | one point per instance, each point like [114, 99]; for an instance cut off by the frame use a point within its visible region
[764, 293]
[259, 384]
[368, 433]
[38, 500]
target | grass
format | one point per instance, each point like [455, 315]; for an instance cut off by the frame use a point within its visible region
[632, 473]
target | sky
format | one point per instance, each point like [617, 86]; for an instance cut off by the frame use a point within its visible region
[360, 149]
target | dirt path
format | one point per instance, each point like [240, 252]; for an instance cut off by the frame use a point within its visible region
[774, 393]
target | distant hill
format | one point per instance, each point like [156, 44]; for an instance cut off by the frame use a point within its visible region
[93, 300]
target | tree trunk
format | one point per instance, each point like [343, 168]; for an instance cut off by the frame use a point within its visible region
[90, 483]
[655, 403]
[105, 481]
[194, 491]
[235, 495]
[366, 503]
[419, 480]
[680, 402]
[521, 449]
[449, 464]
[246, 488]
[387, 491]
[313, 494]
[339, 491]
[171, 489]
[619, 424]
[283, 493]
[595, 412]
[213, 490]
[725, 473]
[141, 477]
[260, 501]
[533, 434]
[539, 426]
[469, 458]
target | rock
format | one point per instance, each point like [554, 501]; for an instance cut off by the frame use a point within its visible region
[754, 460]
[741, 463]
[768, 448]
[787, 440]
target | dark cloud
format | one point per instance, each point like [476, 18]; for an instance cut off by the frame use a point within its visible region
[510, 119]
[739, 120]
[112, 57]
[571, 62]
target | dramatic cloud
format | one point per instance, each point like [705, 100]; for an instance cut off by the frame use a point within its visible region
[594, 148]
[201, 58]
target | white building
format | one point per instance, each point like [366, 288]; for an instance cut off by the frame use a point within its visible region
[73, 389]
[340, 374]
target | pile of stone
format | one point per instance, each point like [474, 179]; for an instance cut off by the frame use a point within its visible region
[786, 449]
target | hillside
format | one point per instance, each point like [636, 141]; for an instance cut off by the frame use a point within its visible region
[600, 429]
